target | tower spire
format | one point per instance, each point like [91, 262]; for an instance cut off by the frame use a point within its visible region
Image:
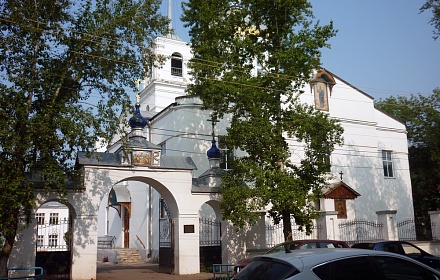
[170, 16]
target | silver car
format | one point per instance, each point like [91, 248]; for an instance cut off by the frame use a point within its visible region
[336, 264]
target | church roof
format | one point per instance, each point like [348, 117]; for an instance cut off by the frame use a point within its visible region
[142, 143]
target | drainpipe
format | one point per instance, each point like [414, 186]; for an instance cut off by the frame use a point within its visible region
[150, 227]
[150, 205]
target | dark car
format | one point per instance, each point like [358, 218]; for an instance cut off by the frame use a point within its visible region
[402, 248]
[295, 245]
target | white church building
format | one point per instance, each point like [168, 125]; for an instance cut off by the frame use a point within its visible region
[158, 193]
[371, 170]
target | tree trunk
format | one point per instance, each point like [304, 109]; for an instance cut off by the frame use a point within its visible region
[287, 226]
[3, 266]
[4, 256]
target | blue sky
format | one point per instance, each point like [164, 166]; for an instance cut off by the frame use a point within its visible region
[383, 47]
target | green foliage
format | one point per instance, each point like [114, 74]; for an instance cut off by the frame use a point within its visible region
[434, 7]
[229, 42]
[65, 68]
[421, 115]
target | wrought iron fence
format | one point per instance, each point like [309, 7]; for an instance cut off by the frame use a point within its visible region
[210, 232]
[176, 71]
[360, 231]
[412, 230]
[275, 235]
[54, 237]
[106, 242]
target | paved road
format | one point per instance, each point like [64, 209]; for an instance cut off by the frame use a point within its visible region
[150, 271]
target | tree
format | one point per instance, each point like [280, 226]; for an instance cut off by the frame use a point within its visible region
[65, 68]
[251, 60]
[434, 6]
[421, 115]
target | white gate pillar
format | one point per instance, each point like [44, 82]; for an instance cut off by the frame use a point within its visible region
[186, 246]
[24, 250]
[84, 247]
[388, 219]
[435, 224]
[328, 221]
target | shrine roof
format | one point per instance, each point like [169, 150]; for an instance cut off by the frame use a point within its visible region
[340, 191]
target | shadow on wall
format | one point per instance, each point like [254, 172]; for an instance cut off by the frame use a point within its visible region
[362, 171]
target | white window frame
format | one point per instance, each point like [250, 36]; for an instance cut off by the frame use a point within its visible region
[53, 240]
[176, 64]
[54, 218]
[40, 241]
[387, 164]
[40, 218]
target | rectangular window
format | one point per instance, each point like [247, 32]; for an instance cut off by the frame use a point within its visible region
[53, 219]
[327, 162]
[227, 155]
[387, 164]
[164, 148]
[40, 241]
[40, 218]
[53, 240]
[162, 209]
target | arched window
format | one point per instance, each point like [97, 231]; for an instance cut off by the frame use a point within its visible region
[176, 64]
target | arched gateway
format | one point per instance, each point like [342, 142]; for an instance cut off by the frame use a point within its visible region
[172, 179]
[137, 160]
[171, 176]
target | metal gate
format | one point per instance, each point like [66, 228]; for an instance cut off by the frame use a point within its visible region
[54, 241]
[166, 239]
[210, 243]
[360, 231]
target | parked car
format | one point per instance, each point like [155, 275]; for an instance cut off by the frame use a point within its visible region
[295, 245]
[403, 248]
[335, 264]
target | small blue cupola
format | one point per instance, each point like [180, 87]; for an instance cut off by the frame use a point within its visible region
[137, 120]
[138, 150]
[213, 152]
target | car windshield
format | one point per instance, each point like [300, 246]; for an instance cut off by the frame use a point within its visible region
[282, 247]
[266, 268]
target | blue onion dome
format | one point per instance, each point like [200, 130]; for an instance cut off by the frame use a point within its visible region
[137, 120]
[213, 152]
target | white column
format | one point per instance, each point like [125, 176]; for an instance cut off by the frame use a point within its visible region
[388, 220]
[24, 250]
[233, 243]
[84, 247]
[435, 224]
[256, 236]
[329, 223]
[186, 246]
